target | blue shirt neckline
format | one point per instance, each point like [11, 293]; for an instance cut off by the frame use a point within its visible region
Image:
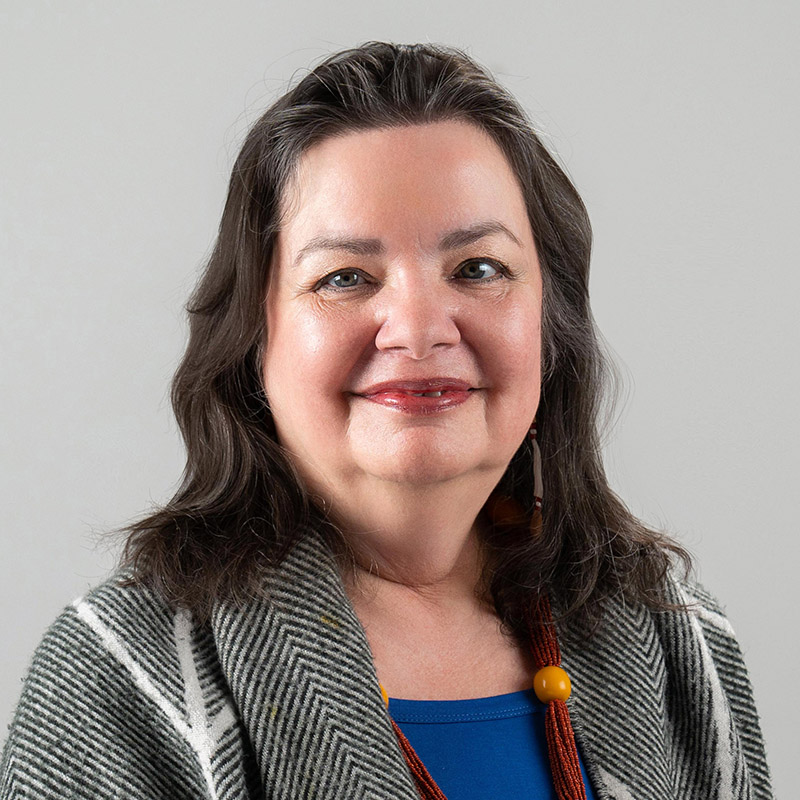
[500, 706]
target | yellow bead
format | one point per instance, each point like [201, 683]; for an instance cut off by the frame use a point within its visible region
[552, 683]
[384, 695]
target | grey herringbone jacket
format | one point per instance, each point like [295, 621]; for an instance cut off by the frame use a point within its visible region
[280, 700]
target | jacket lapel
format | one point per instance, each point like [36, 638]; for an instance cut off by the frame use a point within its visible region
[618, 706]
[301, 673]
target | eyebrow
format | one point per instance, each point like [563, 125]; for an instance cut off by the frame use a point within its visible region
[452, 240]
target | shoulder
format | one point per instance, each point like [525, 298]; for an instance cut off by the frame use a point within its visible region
[694, 703]
[129, 623]
[106, 694]
[706, 615]
[708, 658]
[697, 636]
[110, 635]
[697, 597]
[101, 633]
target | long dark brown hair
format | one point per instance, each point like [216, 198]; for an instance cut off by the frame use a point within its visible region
[241, 505]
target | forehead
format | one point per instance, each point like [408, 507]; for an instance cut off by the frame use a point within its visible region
[414, 180]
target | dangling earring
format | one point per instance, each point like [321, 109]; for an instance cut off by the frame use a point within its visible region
[538, 484]
[505, 511]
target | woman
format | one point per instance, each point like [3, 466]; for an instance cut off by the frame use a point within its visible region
[394, 484]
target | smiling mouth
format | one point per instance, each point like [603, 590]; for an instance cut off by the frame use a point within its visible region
[405, 392]
[434, 402]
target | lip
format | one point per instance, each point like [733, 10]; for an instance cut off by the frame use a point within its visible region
[439, 384]
[410, 403]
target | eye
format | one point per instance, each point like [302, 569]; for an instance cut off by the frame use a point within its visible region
[343, 279]
[476, 268]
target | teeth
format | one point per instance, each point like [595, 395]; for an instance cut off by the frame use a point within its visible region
[427, 394]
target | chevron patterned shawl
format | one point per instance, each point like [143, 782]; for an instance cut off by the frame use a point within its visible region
[280, 700]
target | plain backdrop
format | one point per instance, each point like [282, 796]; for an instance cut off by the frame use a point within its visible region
[678, 124]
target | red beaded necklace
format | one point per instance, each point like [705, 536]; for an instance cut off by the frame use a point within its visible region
[550, 682]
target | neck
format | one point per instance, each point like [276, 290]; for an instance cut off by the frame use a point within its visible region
[413, 544]
[448, 584]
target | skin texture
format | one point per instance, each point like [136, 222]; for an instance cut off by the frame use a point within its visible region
[407, 488]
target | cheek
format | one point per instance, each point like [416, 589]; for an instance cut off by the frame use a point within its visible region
[513, 349]
[309, 358]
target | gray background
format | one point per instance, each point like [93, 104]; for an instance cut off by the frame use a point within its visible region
[678, 123]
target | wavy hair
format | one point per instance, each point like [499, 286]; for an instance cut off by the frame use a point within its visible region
[241, 505]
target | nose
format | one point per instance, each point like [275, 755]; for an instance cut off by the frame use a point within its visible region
[416, 315]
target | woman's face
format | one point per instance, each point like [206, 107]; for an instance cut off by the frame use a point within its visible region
[407, 258]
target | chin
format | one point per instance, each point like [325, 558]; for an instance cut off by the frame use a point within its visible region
[416, 469]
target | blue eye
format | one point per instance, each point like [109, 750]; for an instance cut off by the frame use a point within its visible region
[344, 279]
